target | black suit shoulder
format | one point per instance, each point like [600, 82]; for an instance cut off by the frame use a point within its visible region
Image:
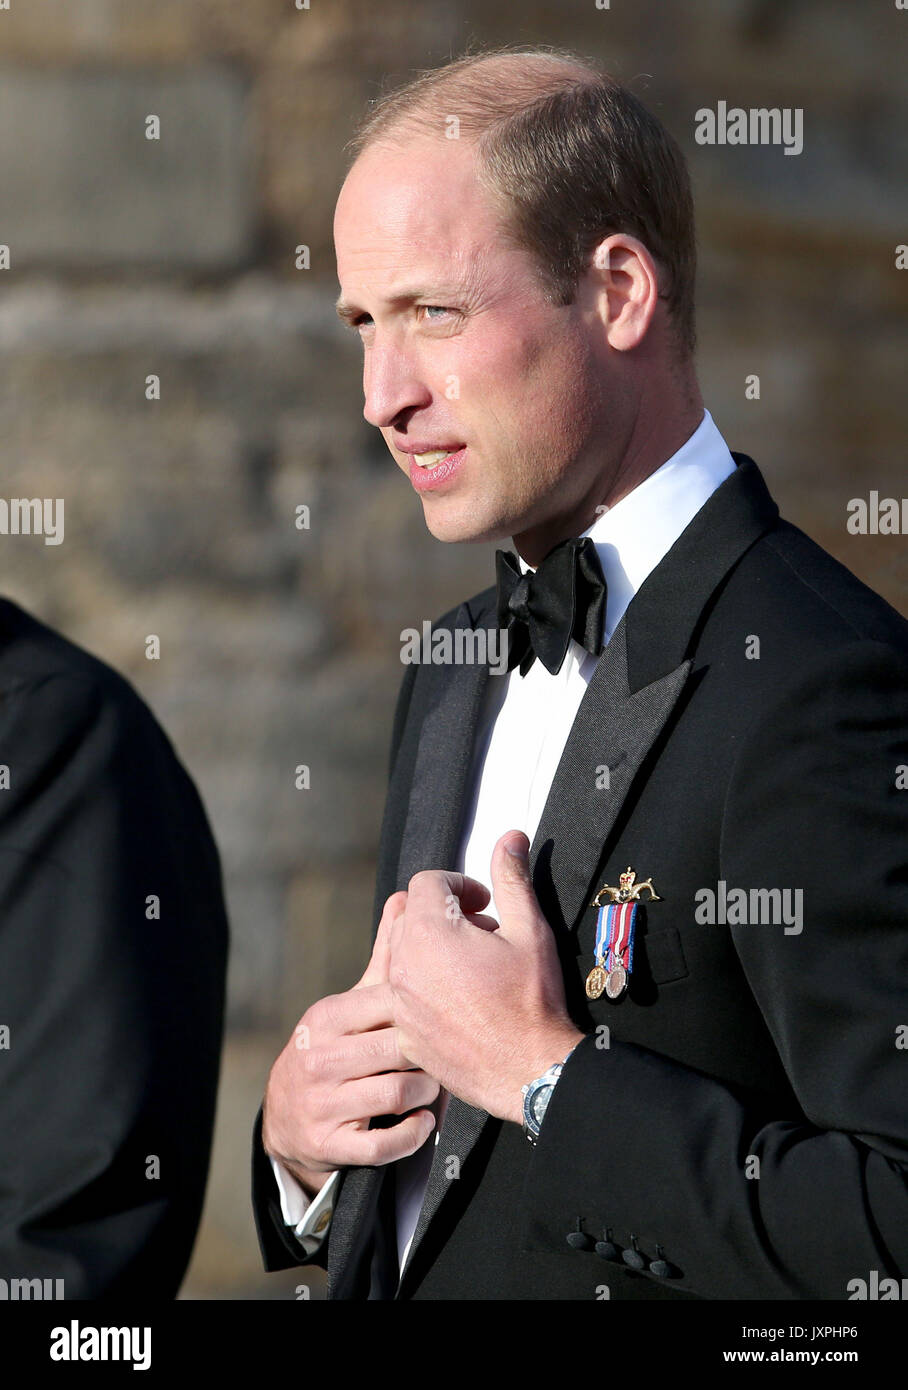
[31, 650]
[790, 621]
[818, 593]
[56, 698]
[113, 942]
[81, 686]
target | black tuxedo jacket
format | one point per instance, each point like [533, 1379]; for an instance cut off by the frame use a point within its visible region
[109, 1070]
[745, 1130]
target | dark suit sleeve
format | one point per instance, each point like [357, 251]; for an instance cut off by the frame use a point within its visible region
[635, 1141]
[279, 1247]
[113, 943]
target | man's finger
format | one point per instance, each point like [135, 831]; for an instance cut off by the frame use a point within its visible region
[355, 1146]
[434, 888]
[483, 920]
[356, 1011]
[363, 1054]
[376, 972]
[386, 1093]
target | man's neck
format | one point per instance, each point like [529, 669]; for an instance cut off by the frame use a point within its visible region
[654, 440]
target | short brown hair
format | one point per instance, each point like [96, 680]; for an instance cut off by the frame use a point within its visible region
[570, 154]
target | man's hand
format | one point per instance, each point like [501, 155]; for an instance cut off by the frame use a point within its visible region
[344, 1065]
[479, 1005]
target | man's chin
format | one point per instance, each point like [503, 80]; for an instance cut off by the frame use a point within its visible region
[460, 526]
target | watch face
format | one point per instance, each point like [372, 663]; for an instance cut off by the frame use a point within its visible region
[540, 1101]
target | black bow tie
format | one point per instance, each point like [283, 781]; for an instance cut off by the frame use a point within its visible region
[543, 609]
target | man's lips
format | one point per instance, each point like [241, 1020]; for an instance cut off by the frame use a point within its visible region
[435, 475]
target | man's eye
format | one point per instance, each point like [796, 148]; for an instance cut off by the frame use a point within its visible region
[431, 313]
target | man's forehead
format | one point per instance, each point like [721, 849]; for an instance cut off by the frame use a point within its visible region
[406, 251]
[425, 195]
[406, 270]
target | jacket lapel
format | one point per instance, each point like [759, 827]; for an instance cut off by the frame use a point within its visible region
[443, 760]
[615, 729]
[450, 701]
[636, 685]
[351, 1228]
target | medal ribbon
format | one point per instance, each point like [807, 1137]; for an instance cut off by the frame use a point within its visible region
[615, 935]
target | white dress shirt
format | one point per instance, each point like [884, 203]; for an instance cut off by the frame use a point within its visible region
[523, 727]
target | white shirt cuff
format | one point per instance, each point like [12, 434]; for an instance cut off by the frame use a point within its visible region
[308, 1217]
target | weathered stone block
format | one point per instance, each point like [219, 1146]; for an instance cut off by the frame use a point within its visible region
[82, 186]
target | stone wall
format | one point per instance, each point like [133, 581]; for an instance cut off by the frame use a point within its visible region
[174, 258]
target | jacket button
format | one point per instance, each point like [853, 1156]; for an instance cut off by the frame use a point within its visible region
[606, 1248]
[579, 1240]
[661, 1267]
[632, 1257]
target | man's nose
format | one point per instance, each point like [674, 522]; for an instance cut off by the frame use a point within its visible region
[391, 384]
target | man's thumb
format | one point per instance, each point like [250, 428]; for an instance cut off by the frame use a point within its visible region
[515, 896]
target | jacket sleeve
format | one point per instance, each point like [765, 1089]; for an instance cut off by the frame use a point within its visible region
[113, 941]
[279, 1246]
[665, 1154]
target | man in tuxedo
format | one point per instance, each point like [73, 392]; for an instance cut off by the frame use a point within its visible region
[113, 944]
[555, 1081]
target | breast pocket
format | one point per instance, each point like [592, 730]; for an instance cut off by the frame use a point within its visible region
[659, 957]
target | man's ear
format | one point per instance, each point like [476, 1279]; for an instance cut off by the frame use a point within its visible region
[622, 287]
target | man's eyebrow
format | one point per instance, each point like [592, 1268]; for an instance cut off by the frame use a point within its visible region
[436, 294]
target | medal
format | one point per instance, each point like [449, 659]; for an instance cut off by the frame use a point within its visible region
[616, 982]
[614, 949]
[621, 920]
[596, 982]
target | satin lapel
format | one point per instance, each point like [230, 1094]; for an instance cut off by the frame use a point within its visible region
[351, 1227]
[432, 830]
[450, 700]
[635, 686]
[615, 729]
[462, 1126]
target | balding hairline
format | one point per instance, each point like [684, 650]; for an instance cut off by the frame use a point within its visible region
[527, 77]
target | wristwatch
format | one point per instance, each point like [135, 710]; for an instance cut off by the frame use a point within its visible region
[536, 1096]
